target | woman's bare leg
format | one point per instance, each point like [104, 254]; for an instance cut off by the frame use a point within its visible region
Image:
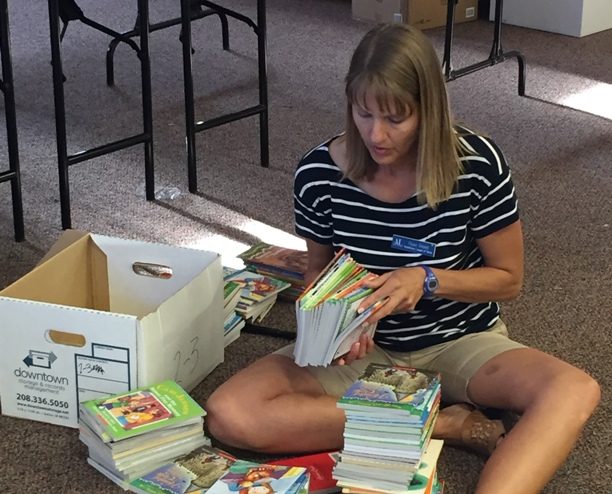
[554, 399]
[274, 406]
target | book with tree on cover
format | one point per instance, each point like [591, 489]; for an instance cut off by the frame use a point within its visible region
[390, 388]
[142, 410]
[193, 473]
[245, 477]
[319, 466]
[328, 321]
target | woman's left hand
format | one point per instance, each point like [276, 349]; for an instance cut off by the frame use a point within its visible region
[402, 287]
[358, 350]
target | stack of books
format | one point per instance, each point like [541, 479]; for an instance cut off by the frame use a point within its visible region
[232, 321]
[130, 434]
[390, 413]
[278, 262]
[327, 319]
[258, 292]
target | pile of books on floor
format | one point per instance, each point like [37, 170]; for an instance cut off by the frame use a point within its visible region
[258, 293]
[131, 434]
[282, 263]
[327, 319]
[232, 321]
[214, 471]
[390, 413]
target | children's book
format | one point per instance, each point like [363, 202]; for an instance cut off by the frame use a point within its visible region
[388, 389]
[142, 410]
[194, 473]
[245, 477]
[256, 287]
[281, 260]
[319, 466]
[328, 321]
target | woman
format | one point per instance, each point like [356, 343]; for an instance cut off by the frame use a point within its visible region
[431, 208]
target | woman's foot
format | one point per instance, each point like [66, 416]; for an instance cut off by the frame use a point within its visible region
[463, 426]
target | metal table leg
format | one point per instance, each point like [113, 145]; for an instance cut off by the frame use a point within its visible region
[496, 56]
[260, 109]
[13, 174]
[146, 137]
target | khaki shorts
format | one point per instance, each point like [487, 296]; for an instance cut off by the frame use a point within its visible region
[457, 361]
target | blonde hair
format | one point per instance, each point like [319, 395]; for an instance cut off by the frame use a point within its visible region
[398, 66]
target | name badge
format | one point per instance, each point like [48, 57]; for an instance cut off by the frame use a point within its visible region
[413, 245]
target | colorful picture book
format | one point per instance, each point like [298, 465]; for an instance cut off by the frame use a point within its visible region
[194, 473]
[245, 477]
[412, 392]
[258, 293]
[279, 262]
[140, 411]
[328, 321]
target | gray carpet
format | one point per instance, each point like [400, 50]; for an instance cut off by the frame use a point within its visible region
[561, 159]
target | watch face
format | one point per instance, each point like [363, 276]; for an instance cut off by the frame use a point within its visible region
[432, 284]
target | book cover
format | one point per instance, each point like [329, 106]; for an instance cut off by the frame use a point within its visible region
[319, 466]
[283, 258]
[145, 409]
[245, 477]
[257, 287]
[395, 387]
[194, 473]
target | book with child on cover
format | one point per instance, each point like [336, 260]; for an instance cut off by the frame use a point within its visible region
[142, 410]
[245, 477]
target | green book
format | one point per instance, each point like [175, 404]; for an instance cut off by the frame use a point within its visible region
[145, 409]
[391, 387]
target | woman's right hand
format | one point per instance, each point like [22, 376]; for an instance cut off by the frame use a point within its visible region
[402, 287]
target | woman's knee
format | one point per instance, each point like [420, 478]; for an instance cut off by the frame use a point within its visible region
[572, 389]
[228, 418]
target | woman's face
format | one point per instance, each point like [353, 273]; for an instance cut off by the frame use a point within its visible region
[390, 136]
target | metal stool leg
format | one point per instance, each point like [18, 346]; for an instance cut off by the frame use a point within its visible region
[11, 123]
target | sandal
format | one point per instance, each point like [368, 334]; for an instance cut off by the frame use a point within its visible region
[478, 432]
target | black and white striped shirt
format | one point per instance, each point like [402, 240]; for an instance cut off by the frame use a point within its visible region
[333, 210]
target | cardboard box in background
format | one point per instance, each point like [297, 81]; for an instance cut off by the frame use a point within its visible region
[424, 14]
[571, 17]
[85, 324]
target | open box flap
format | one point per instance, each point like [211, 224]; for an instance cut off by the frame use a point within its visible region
[75, 276]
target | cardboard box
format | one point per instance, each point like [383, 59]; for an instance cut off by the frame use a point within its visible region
[104, 315]
[571, 17]
[424, 14]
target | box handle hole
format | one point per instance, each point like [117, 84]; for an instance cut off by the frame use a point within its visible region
[152, 270]
[65, 338]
